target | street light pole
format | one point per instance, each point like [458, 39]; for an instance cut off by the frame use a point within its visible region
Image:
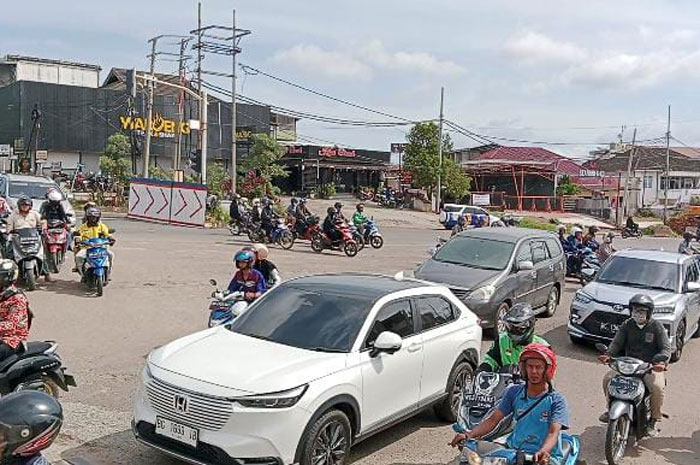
[149, 112]
[439, 187]
[668, 165]
[233, 107]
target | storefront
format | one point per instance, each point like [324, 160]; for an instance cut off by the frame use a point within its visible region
[348, 169]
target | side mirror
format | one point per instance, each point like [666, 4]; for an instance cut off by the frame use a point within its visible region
[112, 230]
[602, 348]
[693, 286]
[386, 342]
[525, 265]
[213, 282]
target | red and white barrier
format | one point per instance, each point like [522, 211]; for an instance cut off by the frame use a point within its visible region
[167, 202]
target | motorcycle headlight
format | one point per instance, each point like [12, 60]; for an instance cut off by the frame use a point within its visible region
[627, 369]
[483, 293]
[281, 399]
[664, 310]
[582, 298]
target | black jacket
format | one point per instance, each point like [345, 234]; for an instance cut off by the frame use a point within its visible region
[53, 211]
[643, 344]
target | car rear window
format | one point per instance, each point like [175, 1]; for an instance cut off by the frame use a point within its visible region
[34, 190]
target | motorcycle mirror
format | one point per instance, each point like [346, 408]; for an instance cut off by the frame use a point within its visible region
[212, 282]
[112, 230]
[659, 358]
[602, 348]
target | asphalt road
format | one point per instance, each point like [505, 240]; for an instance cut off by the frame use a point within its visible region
[160, 292]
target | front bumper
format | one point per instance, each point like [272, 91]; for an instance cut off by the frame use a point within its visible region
[485, 310]
[249, 436]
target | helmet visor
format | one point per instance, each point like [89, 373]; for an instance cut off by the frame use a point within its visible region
[517, 329]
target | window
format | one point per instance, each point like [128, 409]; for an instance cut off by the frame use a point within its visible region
[475, 252]
[643, 274]
[675, 183]
[554, 247]
[691, 272]
[539, 251]
[648, 181]
[434, 311]
[524, 253]
[3, 186]
[396, 317]
[687, 183]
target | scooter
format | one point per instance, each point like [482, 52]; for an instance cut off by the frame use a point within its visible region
[36, 366]
[236, 228]
[224, 308]
[485, 452]
[629, 410]
[311, 228]
[281, 235]
[28, 254]
[589, 265]
[357, 236]
[56, 245]
[627, 232]
[346, 243]
[97, 267]
[480, 399]
[372, 235]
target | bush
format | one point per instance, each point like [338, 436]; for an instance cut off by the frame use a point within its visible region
[645, 213]
[325, 191]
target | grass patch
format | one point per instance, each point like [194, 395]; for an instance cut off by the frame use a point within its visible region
[535, 223]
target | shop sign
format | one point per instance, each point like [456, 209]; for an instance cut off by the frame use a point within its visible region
[331, 152]
[586, 173]
[294, 150]
[160, 127]
[42, 155]
[483, 200]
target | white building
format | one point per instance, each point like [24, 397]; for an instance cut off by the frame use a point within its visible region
[14, 68]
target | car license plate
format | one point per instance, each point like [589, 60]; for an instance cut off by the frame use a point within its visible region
[479, 400]
[176, 431]
[609, 328]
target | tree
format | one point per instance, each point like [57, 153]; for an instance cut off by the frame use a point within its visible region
[567, 187]
[263, 161]
[115, 160]
[422, 159]
[217, 179]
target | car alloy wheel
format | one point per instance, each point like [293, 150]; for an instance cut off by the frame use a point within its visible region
[552, 302]
[328, 440]
[680, 342]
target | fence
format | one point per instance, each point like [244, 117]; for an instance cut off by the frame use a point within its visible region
[177, 203]
[534, 203]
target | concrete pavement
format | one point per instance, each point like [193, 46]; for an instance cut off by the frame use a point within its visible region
[160, 292]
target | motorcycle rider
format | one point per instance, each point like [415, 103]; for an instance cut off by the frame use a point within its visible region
[301, 214]
[255, 211]
[540, 412]
[359, 219]
[329, 226]
[88, 205]
[247, 279]
[606, 249]
[590, 239]
[24, 217]
[339, 209]
[684, 247]
[292, 207]
[643, 338]
[5, 208]
[520, 331]
[561, 234]
[574, 260]
[91, 229]
[268, 217]
[631, 225]
[234, 210]
[52, 209]
[265, 266]
[15, 316]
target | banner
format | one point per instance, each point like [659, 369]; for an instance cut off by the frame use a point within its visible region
[482, 200]
[167, 202]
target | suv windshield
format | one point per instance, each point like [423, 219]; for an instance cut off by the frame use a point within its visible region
[644, 274]
[476, 253]
[35, 190]
[326, 320]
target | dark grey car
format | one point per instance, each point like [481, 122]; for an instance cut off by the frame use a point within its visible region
[490, 269]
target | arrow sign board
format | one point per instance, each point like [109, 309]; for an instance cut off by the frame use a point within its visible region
[167, 202]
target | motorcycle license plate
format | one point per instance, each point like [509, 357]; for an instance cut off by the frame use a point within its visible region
[177, 431]
[479, 400]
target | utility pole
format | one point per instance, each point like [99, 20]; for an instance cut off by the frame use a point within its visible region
[149, 109]
[203, 131]
[626, 210]
[180, 105]
[668, 164]
[439, 187]
[234, 47]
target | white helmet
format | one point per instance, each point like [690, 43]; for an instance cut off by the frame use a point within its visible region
[262, 251]
[561, 227]
[576, 230]
[256, 201]
[54, 195]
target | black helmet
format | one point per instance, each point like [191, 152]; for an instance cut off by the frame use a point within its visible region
[294, 200]
[520, 323]
[688, 236]
[642, 301]
[24, 200]
[29, 423]
[593, 229]
[8, 273]
[331, 211]
[92, 215]
[338, 205]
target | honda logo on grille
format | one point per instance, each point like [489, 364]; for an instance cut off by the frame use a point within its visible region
[182, 404]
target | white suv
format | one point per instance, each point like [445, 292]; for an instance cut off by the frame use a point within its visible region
[316, 365]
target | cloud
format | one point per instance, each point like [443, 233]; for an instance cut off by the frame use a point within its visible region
[331, 63]
[533, 47]
[375, 53]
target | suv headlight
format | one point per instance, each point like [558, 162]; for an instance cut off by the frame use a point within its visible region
[282, 399]
[665, 309]
[483, 293]
[582, 298]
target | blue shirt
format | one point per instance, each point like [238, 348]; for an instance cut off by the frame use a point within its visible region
[532, 429]
[254, 283]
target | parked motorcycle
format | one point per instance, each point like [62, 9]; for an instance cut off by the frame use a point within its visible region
[55, 245]
[485, 452]
[28, 254]
[224, 308]
[347, 244]
[629, 409]
[97, 267]
[372, 236]
[627, 232]
[36, 366]
[480, 399]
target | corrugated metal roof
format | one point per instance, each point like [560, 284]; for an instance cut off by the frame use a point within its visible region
[13, 59]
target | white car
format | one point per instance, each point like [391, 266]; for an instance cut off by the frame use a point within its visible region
[13, 186]
[450, 214]
[314, 366]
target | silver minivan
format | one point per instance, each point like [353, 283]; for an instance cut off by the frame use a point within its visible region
[12, 186]
[490, 269]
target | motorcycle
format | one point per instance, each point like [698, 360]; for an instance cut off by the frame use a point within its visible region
[627, 232]
[480, 399]
[281, 235]
[589, 265]
[346, 243]
[36, 366]
[55, 245]
[310, 228]
[28, 254]
[97, 267]
[236, 228]
[357, 236]
[372, 236]
[485, 452]
[629, 412]
[224, 308]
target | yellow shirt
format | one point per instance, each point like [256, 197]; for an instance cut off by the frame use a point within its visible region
[90, 232]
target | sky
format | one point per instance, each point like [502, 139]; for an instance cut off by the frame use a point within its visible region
[540, 71]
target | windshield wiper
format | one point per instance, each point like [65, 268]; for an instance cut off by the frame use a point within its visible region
[327, 349]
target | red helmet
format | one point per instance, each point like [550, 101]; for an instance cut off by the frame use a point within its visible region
[540, 352]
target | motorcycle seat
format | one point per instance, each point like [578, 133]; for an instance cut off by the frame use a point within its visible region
[34, 348]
